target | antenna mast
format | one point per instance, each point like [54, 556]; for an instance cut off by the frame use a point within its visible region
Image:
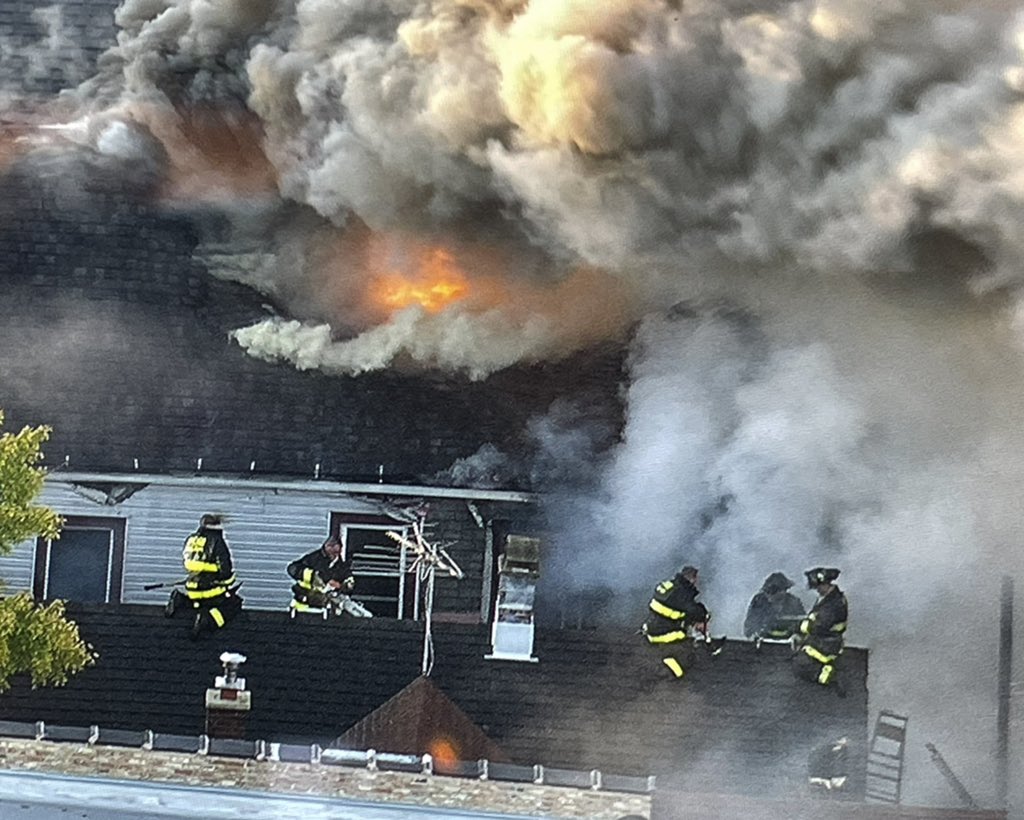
[430, 557]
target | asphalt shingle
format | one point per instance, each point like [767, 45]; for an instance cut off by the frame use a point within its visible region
[739, 723]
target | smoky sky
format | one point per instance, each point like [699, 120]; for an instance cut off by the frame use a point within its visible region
[803, 217]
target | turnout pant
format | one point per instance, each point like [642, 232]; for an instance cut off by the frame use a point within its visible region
[814, 665]
[676, 654]
[207, 614]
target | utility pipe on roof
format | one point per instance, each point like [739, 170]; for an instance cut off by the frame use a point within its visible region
[60, 475]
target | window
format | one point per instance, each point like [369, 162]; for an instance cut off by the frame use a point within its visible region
[380, 565]
[84, 565]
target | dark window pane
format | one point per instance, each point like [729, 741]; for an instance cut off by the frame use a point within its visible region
[375, 563]
[78, 566]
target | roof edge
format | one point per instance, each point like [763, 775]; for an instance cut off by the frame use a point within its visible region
[325, 486]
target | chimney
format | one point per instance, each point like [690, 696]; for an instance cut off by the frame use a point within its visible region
[228, 703]
[518, 571]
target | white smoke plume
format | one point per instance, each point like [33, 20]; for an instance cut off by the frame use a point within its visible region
[831, 189]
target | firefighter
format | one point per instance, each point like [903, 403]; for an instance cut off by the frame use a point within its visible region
[210, 587]
[828, 767]
[319, 572]
[673, 611]
[822, 630]
[774, 613]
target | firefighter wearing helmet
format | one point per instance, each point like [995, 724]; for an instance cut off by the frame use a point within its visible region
[319, 572]
[211, 592]
[673, 611]
[774, 612]
[822, 630]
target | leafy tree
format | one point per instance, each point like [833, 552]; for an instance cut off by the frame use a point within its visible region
[34, 638]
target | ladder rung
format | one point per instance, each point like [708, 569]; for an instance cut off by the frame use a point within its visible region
[885, 713]
[886, 748]
[876, 753]
[890, 732]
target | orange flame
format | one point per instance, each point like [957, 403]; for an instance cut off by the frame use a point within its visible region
[436, 283]
[444, 752]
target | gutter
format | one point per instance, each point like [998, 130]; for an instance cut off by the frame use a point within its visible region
[60, 476]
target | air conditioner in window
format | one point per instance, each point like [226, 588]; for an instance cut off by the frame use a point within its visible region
[512, 628]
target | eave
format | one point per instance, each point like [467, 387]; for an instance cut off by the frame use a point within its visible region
[325, 486]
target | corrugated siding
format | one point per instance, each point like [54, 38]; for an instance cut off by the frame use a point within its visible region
[266, 529]
[16, 568]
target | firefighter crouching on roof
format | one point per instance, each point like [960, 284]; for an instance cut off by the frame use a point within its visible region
[775, 613]
[672, 611]
[318, 572]
[210, 588]
[822, 630]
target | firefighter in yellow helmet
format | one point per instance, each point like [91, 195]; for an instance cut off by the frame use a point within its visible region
[822, 630]
[210, 590]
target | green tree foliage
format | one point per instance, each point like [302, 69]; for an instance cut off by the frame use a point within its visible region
[34, 638]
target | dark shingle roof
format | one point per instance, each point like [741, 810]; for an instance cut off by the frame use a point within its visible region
[51, 46]
[114, 336]
[741, 721]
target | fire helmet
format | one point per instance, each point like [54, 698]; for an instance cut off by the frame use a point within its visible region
[776, 582]
[821, 575]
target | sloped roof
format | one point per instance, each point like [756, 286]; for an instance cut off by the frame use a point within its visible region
[114, 336]
[73, 40]
[741, 721]
[421, 717]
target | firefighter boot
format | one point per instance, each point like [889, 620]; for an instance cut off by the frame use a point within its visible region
[196, 629]
[174, 603]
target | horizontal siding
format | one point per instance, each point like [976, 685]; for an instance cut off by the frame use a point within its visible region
[16, 568]
[265, 529]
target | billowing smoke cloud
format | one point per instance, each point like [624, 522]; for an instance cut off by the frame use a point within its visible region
[828, 190]
[696, 138]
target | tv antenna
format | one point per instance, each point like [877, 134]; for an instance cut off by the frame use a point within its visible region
[429, 558]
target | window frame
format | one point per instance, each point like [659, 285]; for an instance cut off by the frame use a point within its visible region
[115, 556]
[408, 601]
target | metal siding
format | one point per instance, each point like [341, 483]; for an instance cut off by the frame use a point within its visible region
[265, 530]
[16, 568]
